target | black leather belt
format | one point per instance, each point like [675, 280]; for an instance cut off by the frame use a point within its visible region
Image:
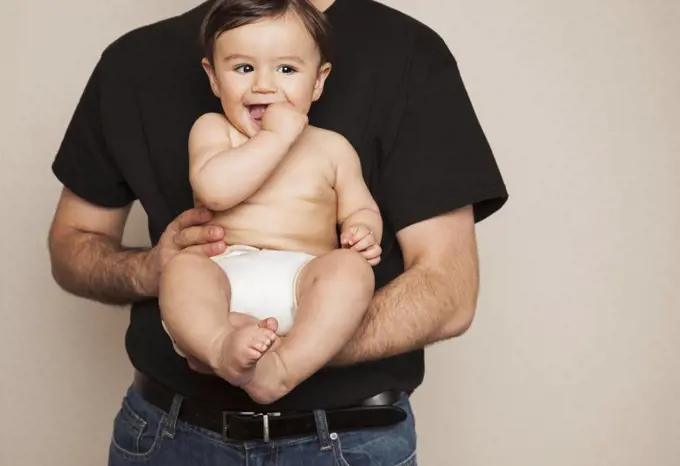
[377, 411]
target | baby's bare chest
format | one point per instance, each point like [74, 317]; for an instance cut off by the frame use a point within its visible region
[302, 175]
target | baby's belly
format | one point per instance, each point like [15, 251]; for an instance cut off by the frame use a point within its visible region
[295, 226]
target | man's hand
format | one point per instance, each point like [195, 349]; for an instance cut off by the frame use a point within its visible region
[360, 238]
[89, 260]
[188, 231]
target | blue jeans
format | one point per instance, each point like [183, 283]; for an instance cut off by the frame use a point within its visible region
[143, 434]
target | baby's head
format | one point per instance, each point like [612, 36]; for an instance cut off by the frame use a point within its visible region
[259, 52]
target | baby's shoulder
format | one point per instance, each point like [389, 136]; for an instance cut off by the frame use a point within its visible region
[328, 142]
[323, 135]
[212, 128]
[211, 120]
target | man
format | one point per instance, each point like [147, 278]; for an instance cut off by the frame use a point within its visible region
[396, 94]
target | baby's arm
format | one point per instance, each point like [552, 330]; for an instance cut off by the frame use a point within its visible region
[223, 176]
[358, 213]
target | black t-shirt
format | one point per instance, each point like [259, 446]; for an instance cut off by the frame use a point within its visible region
[395, 93]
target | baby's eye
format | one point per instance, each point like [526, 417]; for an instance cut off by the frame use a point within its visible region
[244, 69]
[287, 69]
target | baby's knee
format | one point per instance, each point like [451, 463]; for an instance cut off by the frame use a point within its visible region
[350, 267]
[178, 268]
[183, 260]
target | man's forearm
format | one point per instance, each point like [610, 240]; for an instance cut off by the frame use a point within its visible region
[94, 266]
[420, 307]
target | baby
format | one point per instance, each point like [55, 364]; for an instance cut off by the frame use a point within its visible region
[280, 188]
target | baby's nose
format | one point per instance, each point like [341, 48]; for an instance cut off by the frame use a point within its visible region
[264, 84]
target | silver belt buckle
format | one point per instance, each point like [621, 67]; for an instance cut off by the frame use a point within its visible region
[265, 422]
[265, 425]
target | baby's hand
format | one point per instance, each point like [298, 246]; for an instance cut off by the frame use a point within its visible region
[285, 120]
[361, 239]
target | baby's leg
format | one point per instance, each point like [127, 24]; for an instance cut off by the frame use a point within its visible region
[334, 293]
[194, 300]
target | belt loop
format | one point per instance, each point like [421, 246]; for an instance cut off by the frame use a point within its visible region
[173, 414]
[322, 429]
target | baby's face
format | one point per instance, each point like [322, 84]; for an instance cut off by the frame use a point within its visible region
[273, 60]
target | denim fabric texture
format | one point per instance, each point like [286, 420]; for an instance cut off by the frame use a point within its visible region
[143, 434]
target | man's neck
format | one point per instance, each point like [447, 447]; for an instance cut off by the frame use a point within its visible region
[323, 5]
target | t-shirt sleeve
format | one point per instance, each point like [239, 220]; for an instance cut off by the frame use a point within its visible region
[438, 158]
[83, 162]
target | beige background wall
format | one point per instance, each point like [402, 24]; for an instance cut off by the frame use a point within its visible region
[573, 359]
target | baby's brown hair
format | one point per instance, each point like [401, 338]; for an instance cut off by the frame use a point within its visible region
[230, 14]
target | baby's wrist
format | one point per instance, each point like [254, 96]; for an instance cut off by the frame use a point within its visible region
[276, 138]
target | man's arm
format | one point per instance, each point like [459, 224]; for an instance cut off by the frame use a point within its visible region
[88, 259]
[433, 300]
[86, 253]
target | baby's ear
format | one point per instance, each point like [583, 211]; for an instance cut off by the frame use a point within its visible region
[324, 71]
[210, 71]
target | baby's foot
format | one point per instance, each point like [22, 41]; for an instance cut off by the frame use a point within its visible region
[241, 349]
[270, 380]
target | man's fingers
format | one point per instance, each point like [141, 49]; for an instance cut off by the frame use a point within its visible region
[210, 249]
[198, 235]
[192, 217]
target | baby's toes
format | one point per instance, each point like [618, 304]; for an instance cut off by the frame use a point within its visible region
[263, 340]
[252, 354]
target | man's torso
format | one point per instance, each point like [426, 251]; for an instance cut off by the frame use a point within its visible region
[157, 90]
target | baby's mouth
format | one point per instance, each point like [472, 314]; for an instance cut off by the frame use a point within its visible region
[256, 112]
